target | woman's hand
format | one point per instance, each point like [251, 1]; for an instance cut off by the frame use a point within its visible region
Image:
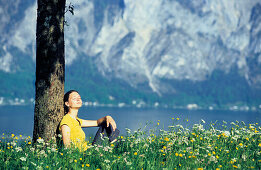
[109, 120]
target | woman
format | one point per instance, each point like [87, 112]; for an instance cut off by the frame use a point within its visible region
[71, 125]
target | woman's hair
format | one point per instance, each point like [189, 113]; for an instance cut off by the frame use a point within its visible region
[65, 99]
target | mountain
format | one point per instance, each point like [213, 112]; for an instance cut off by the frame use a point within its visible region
[168, 51]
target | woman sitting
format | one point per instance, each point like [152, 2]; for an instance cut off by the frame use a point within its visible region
[71, 126]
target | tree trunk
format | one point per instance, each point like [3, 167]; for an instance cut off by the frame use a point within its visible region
[50, 67]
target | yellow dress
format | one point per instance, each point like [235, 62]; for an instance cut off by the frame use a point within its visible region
[77, 135]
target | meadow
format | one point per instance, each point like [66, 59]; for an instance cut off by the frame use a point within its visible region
[216, 146]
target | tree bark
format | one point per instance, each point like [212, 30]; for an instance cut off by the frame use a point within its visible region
[50, 68]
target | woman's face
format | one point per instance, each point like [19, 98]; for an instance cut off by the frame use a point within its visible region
[74, 101]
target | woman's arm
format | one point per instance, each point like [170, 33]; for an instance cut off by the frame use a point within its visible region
[94, 123]
[66, 133]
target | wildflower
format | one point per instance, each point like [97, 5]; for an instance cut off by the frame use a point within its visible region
[220, 166]
[164, 147]
[18, 149]
[217, 169]
[13, 135]
[217, 156]
[47, 166]
[193, 133]
[179, 164]
[80, 159]
[177, 118]
[180, 155]
[61, 154]
[23, 159]
[240, 144]
[88, 165]
[29, 143]
[209, 154]
[161, 150]
[158, 123]
[112, 145]
[259, 144]
[20, 136]
[200, 168]
[247, 139]
[234, 166]
[176, 154]
[75, 160]
[214, 152]
[166, 139]
[135, 153]
[82, 165]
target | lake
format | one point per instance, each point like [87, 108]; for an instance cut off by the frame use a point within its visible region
[19, 119]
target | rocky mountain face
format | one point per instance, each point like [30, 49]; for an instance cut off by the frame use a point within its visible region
[166, 47]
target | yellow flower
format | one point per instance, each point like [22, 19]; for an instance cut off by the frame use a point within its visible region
[161, 150]
[234, 166]
[217, 169]
[158, 123]
[259, 144]
[121, 137]
[112, 145]
[13, 135]
[98, 169]
[179, 164]
[135, 153]
[47, 167]
[166, 139]
[82, 165]
[61, 154]
[176, 154]
[180, 155]
[80, 159]
[201, 138]
[200, 168]
[209, 154]
[247, 139]
[217, 156]
[75, 160]
[29, 143]
[164, 147]
[192, 140]
[236, 148]
[259, 160]
[193, 133]
[214, 152]
[220, 166]
[119, 157]
[189, 156]
[177, 118]
[88, 165]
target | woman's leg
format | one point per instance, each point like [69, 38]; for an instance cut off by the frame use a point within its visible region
[112, 135]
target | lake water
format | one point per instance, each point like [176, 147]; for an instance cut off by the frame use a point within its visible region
[19, 119]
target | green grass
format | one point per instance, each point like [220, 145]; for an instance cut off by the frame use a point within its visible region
[200, 147]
